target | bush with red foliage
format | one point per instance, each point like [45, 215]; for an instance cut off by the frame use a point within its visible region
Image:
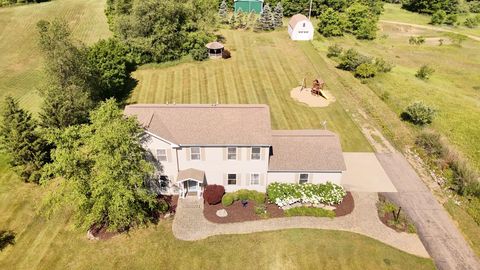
[226, 54]
[213, 194]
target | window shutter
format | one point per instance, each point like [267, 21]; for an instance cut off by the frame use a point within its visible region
[310, 178]
[225, 149]
[248, 179]
[225, 179]
[169, 155]
[297, 178]
[202, 154]
[249, 153]
[187, 152]
[262, 179]
[239, 153]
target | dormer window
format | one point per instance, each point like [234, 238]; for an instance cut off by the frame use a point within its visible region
[232, 153]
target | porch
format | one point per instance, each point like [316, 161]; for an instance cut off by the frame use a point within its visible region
[190, 182]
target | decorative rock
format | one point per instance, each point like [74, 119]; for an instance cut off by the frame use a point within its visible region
[306, 205]
[319, 205]
[286, 207]
[167, 215]
[329, 207]
[222, 213]
[297, 204]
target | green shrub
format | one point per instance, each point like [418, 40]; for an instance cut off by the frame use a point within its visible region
[351, 59]
[425, 72]
[451, 19]
[475, 6]
[382, 65]
[228, 199]
[419, 113]
[243, 194]
[261, 210]
[438, 17]
[334, 51]
[199, 54]
[366, 70]
[473, 209]
[163, 206]
[416, 40]
[309, 211]
[471, 22]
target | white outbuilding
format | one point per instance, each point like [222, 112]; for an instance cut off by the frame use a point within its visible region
[300, 28]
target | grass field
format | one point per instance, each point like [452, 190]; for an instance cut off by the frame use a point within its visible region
[20, 60]
[394, 12]
[263, 69]
[454, 89]
[55, 244]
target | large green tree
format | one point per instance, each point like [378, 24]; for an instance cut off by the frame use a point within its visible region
[362, 22]
[101, 171]
[20, 138]
[331, 23]
[69, 92]
[431, 6]
[110, 61]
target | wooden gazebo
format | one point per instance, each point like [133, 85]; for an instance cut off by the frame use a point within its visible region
[215, 49]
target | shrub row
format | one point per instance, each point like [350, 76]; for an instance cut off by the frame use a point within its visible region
[243, 194]
[362, 66]
[284, 194]
[309, 211]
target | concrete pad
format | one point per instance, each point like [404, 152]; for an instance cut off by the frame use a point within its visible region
[365, 174]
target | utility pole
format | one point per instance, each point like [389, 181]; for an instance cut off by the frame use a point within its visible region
[310, 10]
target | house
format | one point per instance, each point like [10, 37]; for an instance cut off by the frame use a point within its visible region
[233, 146]
[300, 28]
[248, 6]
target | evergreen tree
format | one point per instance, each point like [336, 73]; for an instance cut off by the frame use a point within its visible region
[278, 15]
[102, 171]
[222, 12]
[233, 21]
[241, 19]
[28, 151]
[266, 19]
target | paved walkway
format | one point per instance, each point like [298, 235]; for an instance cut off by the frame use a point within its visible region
[190, 224]
[435, 228]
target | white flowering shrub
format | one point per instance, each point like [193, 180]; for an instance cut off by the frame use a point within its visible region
[283, 194]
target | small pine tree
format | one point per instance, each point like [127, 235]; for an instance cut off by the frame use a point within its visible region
[27, 150]
[241, 19]
[278, 15]
[266, 19]
[222, 12]
[233, 21]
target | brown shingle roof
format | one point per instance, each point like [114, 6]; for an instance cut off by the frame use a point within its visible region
[296, 19]
[193, 174]
[306, 150]
[206, 124]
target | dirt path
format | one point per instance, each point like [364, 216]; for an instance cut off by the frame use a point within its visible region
[428, 27]
[436, 229]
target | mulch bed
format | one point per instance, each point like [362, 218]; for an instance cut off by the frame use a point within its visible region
[101, 232]
[386, 217]
[238, 213]
[346, 206]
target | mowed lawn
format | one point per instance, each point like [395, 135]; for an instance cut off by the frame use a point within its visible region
[56, 244]
[20, 59]
[263, 69]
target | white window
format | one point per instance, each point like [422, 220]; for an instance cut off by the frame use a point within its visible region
[232, 153]
[232, 179]
[255, 153]
[255, 179]
[303, 178]
[195, 153]
[161, 155]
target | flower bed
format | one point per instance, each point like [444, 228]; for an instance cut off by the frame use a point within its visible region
[283, 194]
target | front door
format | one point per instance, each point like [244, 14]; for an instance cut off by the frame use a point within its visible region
[190, 186]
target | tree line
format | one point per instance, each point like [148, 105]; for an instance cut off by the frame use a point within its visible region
[81, 146]
[19, 2]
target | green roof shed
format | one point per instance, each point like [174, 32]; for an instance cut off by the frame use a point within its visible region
[248, 6]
